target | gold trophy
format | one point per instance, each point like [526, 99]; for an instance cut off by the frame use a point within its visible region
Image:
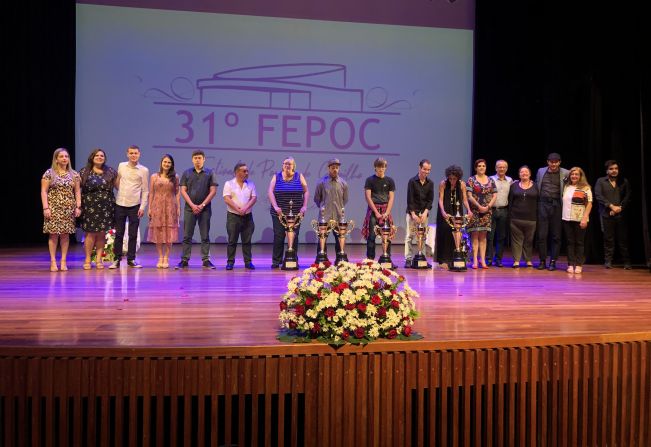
[322, 227]
[460, 255]
[420, 260]
[290, 221]
[342, 229]
[387, 233]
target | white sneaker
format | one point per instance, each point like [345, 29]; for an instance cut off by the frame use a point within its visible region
[115, 264]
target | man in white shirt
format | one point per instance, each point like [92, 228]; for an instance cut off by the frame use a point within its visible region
[130, 203]
[500, 214]
[240, 196]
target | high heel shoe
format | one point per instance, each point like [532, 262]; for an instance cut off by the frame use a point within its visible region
[53, 266]
[483, 265]
[87, 265]
[159, 264]
[166, 262]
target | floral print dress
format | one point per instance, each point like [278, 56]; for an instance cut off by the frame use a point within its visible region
[483, 193]
[61, 200]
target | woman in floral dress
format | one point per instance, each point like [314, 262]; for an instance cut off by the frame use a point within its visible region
[164, 209]
[98, 203]
[482, 196]
[61, 200]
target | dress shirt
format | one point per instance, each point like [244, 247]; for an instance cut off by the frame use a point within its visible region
[134, 185]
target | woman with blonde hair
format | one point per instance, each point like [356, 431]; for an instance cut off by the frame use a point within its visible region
[577, 203]
[61, 200]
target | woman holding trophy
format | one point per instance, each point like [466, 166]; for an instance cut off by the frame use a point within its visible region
[287, 193]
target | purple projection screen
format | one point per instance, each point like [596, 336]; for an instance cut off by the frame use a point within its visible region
[258, 80]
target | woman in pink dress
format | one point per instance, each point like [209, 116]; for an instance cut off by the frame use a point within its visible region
[164, 209]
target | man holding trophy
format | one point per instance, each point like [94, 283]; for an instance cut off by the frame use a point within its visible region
[331, 196]
[420, 197]
[379, 191]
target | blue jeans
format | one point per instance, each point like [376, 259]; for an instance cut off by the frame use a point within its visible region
[279, 240]
[237, 225]
[370, 242]
[122, 213]
[189, 221]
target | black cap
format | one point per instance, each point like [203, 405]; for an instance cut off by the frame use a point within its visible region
[554, 156]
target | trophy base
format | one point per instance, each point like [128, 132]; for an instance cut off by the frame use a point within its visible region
[385, 262]
[321, 257]
[341, 257]
[458, 263]
[290, 262]
[420, 262]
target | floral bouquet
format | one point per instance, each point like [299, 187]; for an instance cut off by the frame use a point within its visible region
[348, 303]
[107, 252]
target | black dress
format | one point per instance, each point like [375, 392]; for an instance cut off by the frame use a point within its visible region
[98, 201]
[452, 203]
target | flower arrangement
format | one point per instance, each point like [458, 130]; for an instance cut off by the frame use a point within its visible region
[348, 303]
[107, 252]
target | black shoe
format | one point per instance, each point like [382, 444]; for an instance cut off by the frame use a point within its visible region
[182, 265]
[229, 265]
[628, 267]
[133, 264]
[407, 263]
[275, 266]
[541, 266]
[249, 266]
[489, 263]
[498, 263]
[552, 266]
[608, 265]
[208, 265]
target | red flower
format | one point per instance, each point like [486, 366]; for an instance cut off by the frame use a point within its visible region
[381, 312]
[329, 312]
[299, 309]
[375, 300]
[316, 328]
[296, 291]
[370, 264]
[377, 285]
[395, 304]
[319, 274]
[318, 294]
[406, 330]
[327, 264]
[345, 334]
[359, 332]
[359, 264]
[392, 333]
[314, 266]
[308, 301]
[350, 306]
[401, 278]
[292, 325]
[394, 292]
[283, 305]
[386, 272]
[361, 307]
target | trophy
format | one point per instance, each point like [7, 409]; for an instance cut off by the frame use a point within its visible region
[419, 261]
[343, 227]
[322, 227]
[386, 232]
[290, 221]
[460, 254]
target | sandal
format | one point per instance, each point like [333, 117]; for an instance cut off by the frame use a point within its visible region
[54, 267]
[64, 267]
[578, 269]
[87, 266]
[99, 265]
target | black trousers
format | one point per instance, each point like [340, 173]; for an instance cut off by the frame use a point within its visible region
[497, 235]
[575, 236]
[279, 240]
[549, 227]
[370, 242]
[614, 229]
[237, 226]
[122, 213]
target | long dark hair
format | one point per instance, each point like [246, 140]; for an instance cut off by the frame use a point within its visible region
[108, 172]
[171, 174]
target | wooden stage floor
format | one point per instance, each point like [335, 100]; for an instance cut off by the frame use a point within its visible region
[199, 308]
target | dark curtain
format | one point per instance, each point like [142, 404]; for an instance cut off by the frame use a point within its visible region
[566, 77]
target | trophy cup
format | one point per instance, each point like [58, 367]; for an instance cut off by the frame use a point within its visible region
[343, 227]
[460, 254]
[419, 261]
[386, 232]
[290, 221]
[322, 227]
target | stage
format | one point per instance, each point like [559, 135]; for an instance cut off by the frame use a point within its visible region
[569, 354]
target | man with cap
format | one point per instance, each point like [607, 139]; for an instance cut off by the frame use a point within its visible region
[550, 181]
[331, 196]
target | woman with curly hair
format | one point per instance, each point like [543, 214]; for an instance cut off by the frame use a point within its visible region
[452, 200]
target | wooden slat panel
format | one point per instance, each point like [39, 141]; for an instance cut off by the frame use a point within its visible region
[534, 380]
[644, 427]
[573, 425]
[626, 398]
[363, 412]
[513, 359]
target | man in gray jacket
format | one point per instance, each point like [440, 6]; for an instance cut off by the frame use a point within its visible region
[550, 181]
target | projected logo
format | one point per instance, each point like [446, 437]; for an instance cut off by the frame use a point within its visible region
[305, 107]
